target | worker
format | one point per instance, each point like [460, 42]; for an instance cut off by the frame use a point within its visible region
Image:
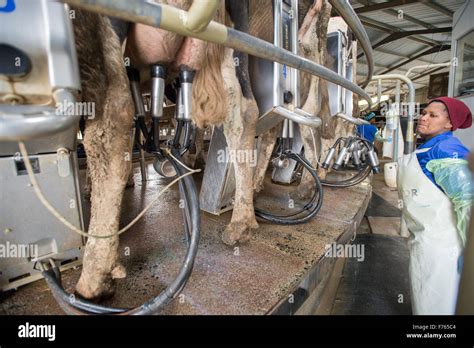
[369, 131]
[437, 189]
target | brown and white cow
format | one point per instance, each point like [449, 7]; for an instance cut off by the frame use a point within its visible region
[221, 95]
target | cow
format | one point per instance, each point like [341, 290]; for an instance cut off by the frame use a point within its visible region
[222, 94]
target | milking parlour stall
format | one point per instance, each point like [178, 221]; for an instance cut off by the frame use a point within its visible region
[291, 169]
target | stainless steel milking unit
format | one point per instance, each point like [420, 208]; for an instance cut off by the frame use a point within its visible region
[39, 82]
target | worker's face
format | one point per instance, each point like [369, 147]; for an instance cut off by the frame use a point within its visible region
[434, 120]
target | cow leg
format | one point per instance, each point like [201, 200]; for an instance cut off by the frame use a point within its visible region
[239, 129]
[312, 37]
[107, 143]
[267, 143]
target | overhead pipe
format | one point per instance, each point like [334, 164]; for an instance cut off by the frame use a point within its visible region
[344, 8]
[426, 66]
[379, 96]
[200, 14]
[170, 18]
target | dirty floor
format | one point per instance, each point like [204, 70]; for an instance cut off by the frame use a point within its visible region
[248, 279]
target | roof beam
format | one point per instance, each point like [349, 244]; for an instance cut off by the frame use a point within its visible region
[401, 34]
[381, 66]
[429, 72]
[431, 50]
[391, 29]
[396, 3]
[384, 51]
[405, 17]
[383, 6]
[437, 7]
[421, 75]
[409, 19]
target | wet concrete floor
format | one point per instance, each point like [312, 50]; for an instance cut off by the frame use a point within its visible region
[247, 279]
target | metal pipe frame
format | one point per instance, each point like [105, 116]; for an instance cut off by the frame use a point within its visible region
[346, 11]
[353, 120]
[409, 139]
[173, 19]
[26, 122]
[426, 66]
[200, 14]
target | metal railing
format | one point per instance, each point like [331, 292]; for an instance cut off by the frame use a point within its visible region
[197, 22]
[176, 20]
[409, 137]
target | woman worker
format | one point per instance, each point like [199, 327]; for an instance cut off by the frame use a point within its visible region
[436, 242]
[369, 131]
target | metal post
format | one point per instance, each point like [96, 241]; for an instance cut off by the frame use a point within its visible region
[409, 138]
[397, 125]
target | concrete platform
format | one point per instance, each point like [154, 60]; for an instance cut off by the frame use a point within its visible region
[275, 273]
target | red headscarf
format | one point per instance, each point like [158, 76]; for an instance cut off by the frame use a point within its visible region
[458, 112]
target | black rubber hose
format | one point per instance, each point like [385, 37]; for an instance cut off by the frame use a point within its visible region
[312, 208]
[178, 283]
[82, 307]
[187, 227]
[65, 298]
[177, 133]
[156, 134]
[357, 179]
[187, 141]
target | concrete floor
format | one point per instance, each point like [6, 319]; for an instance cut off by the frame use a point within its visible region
[253, 278]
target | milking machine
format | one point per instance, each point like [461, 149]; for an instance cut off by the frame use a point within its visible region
[276, 88]
[39, 86]
[353, 153]
[288, 155]
[33, 90]
[168, 162]
[285, 154]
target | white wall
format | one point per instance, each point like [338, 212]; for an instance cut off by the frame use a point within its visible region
[464, 24]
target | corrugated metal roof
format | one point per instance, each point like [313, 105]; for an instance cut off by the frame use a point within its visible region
[380, 23]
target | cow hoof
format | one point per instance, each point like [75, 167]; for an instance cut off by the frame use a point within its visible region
[95, 290]
[240, 232]
[258, 187]
[119, 272]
